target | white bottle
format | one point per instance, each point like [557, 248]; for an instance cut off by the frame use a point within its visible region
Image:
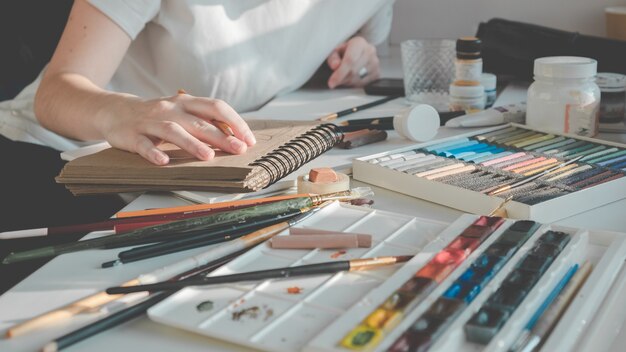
[564, 97]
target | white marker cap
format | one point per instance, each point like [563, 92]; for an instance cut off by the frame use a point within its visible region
[419, 123]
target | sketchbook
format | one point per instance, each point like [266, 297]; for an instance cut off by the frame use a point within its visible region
[282, 147]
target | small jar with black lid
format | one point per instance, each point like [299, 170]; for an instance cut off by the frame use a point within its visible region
[469, 63]
[612, 96]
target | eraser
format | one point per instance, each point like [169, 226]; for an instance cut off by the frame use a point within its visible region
[323, 175]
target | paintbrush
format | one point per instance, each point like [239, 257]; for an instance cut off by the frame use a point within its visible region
[133, 310]
[151, 233]
[204, 238]
[301, 270]
[532, 178]
[97, 300]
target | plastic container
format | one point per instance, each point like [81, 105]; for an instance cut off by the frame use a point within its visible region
[564, 97]
[489, 81]
[463, 98]
[613, 96]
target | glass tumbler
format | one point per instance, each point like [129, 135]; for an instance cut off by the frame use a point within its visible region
[428, 66]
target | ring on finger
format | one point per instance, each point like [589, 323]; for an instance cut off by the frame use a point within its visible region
[363, 72]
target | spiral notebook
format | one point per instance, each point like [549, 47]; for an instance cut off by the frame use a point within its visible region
[282, 147]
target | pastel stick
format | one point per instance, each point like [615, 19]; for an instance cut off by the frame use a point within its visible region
[321, 241]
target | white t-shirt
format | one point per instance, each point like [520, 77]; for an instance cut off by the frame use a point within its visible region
[245, 52]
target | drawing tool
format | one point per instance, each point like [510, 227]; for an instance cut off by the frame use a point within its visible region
[310, 269]
[128, 221]
[532, 178]
[92, 302]
[345, 112]
[203, 207]
[204, 238]
[221, 125]
[542, 308]
[542, 324]
[151, 233]
[312, 241]
[135, 309]
[387, 120]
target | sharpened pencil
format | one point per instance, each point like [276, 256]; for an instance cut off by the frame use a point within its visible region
[345, 112]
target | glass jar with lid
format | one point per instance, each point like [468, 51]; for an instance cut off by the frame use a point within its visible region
[613, 96]
[564, 96]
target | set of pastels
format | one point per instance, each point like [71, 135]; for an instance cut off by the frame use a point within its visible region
[570, 174]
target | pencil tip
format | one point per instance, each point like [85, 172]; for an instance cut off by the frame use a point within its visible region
[403, 258]
[111, 263]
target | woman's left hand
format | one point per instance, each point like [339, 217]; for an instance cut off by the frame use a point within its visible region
[354, 64]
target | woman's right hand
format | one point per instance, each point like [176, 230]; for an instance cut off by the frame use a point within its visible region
[183, 120]
[71, 99]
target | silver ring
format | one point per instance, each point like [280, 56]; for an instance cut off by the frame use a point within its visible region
[363, 72]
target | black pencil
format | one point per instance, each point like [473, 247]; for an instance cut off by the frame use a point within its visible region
[356, 108]
[204, 238]
[310, 269]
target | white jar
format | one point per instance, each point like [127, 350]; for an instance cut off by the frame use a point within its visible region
[489, 80]
[564, 97]
[463, 98]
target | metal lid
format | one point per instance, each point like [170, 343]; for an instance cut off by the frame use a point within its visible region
[565, 67]
[611, 82]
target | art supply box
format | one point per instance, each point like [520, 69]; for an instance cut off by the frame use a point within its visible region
[554, 200]
[328, 312]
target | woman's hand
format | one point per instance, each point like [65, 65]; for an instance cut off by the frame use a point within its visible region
[183, 120]
[354, 63]
[71, 99]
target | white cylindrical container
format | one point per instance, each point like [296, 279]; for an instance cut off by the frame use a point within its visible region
[564, 97]
[489, 80]
[464, 98]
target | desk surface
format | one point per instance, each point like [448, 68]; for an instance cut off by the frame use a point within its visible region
[73, 276]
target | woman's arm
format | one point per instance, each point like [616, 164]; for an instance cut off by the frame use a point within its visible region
[71, 100]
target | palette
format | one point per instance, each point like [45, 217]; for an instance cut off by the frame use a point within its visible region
[284, 315]
[460, 171]
[457, 272]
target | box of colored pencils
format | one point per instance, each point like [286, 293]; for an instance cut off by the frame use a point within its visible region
[548, 176]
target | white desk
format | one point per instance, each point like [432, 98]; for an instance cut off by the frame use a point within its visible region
[73, 276]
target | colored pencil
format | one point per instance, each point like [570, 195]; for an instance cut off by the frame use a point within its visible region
[542, 325]
[129, 221]
[97, 300]
[152, 233]
[301, 270]
[202, 207]
[221, 125]
[345, 112]
[190, 242]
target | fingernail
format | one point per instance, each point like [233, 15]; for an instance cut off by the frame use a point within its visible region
[237, 145]
[206, 153]
[250, 139]
[162, 159]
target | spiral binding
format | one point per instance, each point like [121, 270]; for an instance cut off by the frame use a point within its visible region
[290, 156]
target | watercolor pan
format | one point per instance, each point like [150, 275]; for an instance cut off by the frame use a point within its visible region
[458, 172]
[265, 315]
[437, 321]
